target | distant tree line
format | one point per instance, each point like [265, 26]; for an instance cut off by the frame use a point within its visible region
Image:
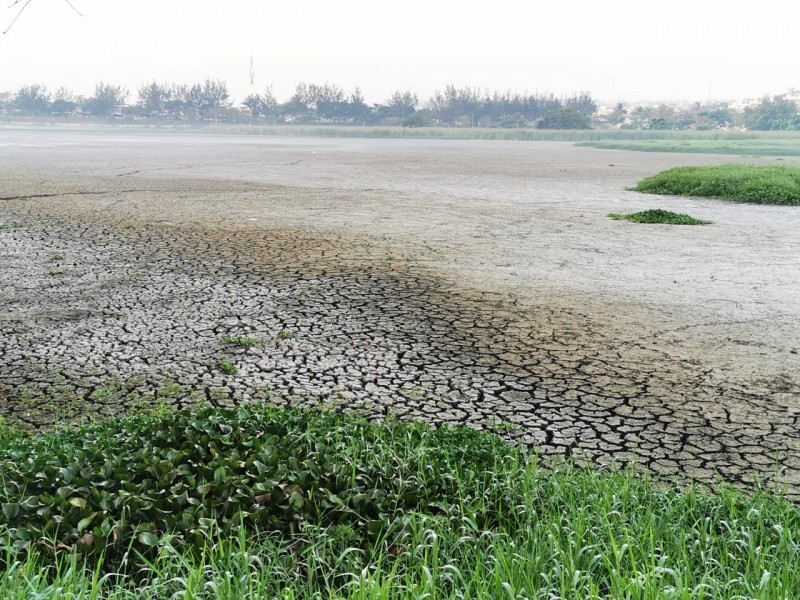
[311, 103]
[668, 116]
[769, 114]
[327, 103]
[200, 101]
[778, 112]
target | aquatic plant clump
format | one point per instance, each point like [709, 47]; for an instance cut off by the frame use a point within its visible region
[260, 502]
[659, 216]
[741, 183]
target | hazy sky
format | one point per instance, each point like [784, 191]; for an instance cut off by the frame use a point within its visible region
[618, 49]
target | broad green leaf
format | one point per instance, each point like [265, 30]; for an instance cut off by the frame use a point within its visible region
[67, 474]
[221, 475]
[85, 522]
[10, 510]
[148, 539]
[296, 501]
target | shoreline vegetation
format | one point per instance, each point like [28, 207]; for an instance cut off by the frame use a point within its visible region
[760, 145]
[746, 143]
[738, 183]
[257, 502]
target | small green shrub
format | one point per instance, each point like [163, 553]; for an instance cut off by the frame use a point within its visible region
[741, 183]
[286, 335]
[657, 215]
[170, 390]
[8, 432]
[244, 342]
[228, 367]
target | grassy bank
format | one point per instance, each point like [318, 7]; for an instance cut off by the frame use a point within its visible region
[763, 145]
[742, 183]
[481, 133]
[259, 502]
[767, 143]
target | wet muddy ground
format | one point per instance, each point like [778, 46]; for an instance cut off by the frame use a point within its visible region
[475, 283]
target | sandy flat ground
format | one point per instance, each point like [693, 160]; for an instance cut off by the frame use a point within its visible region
[702, 320]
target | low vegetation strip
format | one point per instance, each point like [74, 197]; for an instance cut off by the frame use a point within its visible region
[590, 136]
[261, 502]
[779, 146]
[658, 216]
[741, 183]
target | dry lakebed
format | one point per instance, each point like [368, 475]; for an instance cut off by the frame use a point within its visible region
[466, 282]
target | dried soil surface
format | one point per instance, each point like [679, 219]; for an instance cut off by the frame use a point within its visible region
[467, 282]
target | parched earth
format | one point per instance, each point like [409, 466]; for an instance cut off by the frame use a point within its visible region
[376, 283]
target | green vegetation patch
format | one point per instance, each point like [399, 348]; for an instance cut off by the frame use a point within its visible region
[742, 183]
[260, 502]
[494, 133]
[227, 367]
[135, 480]
[244, 342]
[12, 225]
[657, 215]
[752, 147]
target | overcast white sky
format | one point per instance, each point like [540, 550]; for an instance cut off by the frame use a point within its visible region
[617, 50]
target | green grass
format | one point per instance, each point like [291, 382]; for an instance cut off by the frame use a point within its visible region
[741, 183]
[448, 133]
[244, 342]
[773, 145]
[170, 390]
[286, 335]
[258, 502]
[659, 216]
[4, 226]
[228, 367]
[487, 133]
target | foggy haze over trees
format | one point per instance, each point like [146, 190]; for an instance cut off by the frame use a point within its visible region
[772, 114]
[313, 103]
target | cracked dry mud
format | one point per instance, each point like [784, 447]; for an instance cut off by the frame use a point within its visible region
[116, 292]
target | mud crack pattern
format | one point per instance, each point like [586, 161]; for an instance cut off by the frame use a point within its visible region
[96, 320]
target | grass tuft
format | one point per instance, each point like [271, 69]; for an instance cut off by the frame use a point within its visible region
[228, 367]
[244, 342]
[741, 183]
[12, 225]
[657, 215]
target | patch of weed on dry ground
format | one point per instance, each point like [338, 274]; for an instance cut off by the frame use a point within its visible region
[658, 216]
[741, 183]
